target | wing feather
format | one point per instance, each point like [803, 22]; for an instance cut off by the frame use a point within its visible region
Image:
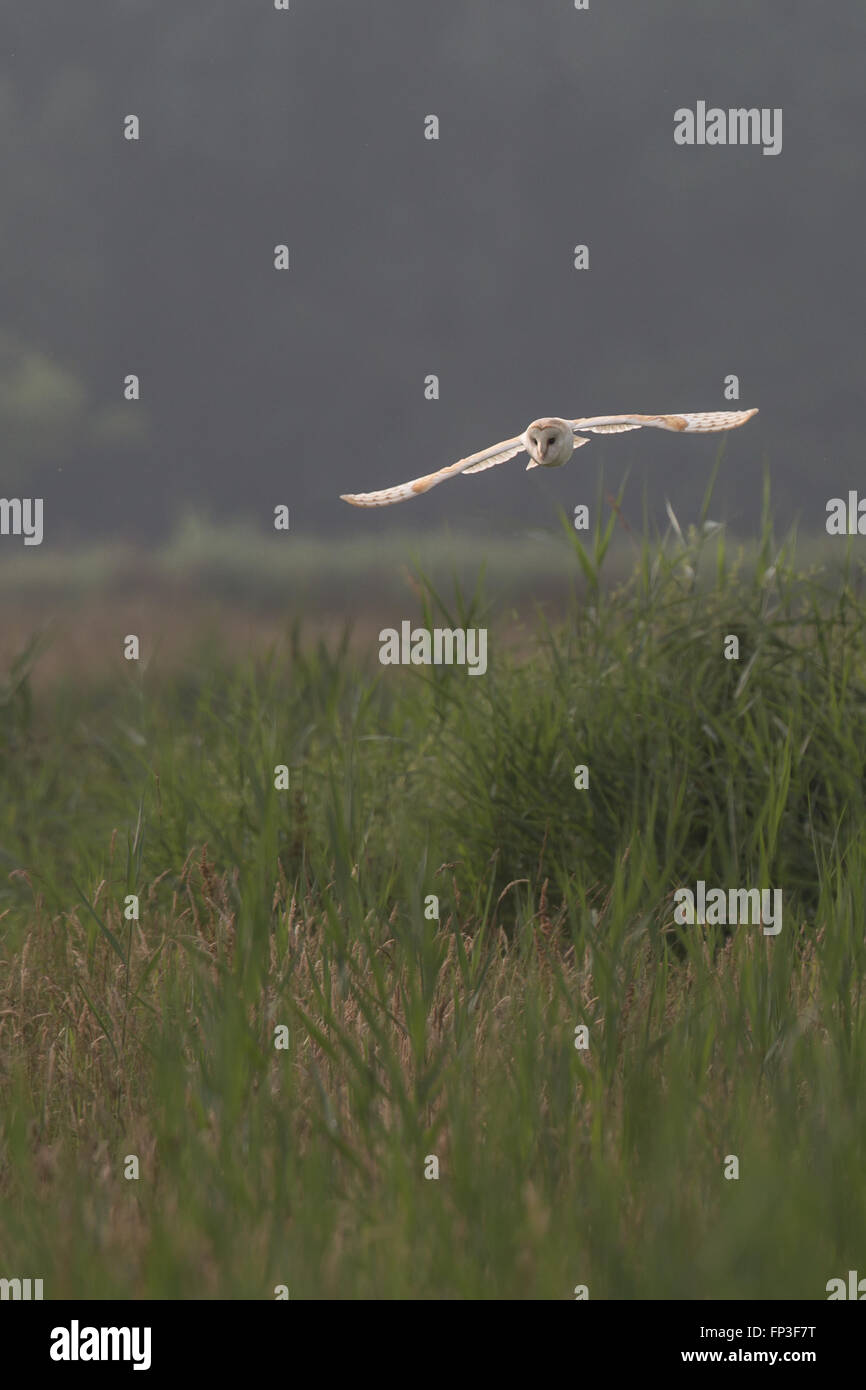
[474, 463]
[501, 457]
[700, 422]
[609, 429]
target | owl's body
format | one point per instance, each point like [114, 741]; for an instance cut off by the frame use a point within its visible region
[550, 442]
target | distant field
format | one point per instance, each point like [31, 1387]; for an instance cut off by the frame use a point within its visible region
[240, 564]
[243, 589]
[411, 1035]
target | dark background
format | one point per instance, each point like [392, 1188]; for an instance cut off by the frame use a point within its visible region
[412, 257]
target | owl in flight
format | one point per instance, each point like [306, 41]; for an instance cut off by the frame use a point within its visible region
[550, 443]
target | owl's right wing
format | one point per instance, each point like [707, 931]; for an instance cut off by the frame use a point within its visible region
[475, 463]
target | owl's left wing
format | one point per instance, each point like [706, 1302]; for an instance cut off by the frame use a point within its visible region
[700, 422]
[474, 463]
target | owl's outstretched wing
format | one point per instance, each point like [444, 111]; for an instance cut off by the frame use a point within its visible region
[701, 422]
[705, 422]
[475, 463]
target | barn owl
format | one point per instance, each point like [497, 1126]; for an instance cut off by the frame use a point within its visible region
[550, 442]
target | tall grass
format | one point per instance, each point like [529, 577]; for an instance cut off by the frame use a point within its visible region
[413, 1036]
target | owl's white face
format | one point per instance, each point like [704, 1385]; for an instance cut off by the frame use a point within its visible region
[549, 442]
